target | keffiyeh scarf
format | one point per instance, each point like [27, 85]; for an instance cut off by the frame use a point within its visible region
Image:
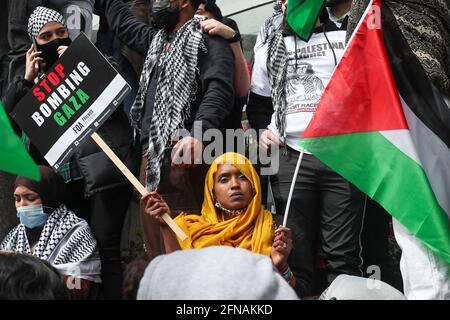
[174, 93]
[271, 25]
[276, 68]
[40, 17]
[66, 242]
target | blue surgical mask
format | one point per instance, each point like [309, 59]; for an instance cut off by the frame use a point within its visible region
[32, 216]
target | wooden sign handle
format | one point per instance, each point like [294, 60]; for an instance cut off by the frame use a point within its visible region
[139, 187]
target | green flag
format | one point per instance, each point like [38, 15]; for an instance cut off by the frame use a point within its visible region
[13, 156]
[302, 16]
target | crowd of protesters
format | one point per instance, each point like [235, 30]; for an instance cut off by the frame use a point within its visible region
[185, 64]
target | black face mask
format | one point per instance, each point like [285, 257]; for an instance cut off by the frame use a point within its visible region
[50, 50]
[164, 16]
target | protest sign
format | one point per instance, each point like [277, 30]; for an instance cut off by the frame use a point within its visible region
[70, 102]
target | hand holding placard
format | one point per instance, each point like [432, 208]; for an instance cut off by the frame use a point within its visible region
[139, 187]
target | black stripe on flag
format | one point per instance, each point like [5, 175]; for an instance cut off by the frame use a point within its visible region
[422, 97]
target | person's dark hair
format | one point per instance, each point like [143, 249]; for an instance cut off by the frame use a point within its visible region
[211, 7]
[132, 276]
[195, 4]
[25, 277]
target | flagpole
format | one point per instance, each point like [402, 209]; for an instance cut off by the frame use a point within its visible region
[294, 179]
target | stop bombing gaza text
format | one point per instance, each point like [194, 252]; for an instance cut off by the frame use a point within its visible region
[56, 88]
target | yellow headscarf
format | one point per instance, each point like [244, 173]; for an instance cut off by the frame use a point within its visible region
[252, 230]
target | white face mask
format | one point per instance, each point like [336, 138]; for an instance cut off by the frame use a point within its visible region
[32, 216]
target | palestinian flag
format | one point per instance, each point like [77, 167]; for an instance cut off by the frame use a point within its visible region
[383, 126]
[302, 16]
[14, 158]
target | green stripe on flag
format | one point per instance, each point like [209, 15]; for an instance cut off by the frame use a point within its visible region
[14, 158]
[302, 16]
[391, 178]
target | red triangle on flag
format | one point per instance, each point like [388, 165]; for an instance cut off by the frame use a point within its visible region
[362, 95]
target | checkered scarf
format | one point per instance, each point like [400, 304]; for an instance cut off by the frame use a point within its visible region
[277, 7]
[276, 68]
[40, 17]
[175, 91]
[271, 25]
[64, 239]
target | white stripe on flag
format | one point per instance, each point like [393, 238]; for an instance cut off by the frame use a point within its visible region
[434, 155]
[99, 105]
[401, 139]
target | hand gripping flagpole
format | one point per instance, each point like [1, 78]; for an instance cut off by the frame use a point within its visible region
[139, 187]
[294, 179]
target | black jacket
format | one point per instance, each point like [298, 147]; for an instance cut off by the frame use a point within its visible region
[98, 171]
[215, 96]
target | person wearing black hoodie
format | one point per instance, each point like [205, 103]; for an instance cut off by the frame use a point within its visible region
[326, 210]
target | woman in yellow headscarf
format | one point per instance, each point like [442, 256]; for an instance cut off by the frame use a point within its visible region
[232, 215]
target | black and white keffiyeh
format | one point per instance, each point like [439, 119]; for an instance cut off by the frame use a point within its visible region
[66, 242]
[40, 17]
[276, 68]
[175, 90]
[270, 25]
